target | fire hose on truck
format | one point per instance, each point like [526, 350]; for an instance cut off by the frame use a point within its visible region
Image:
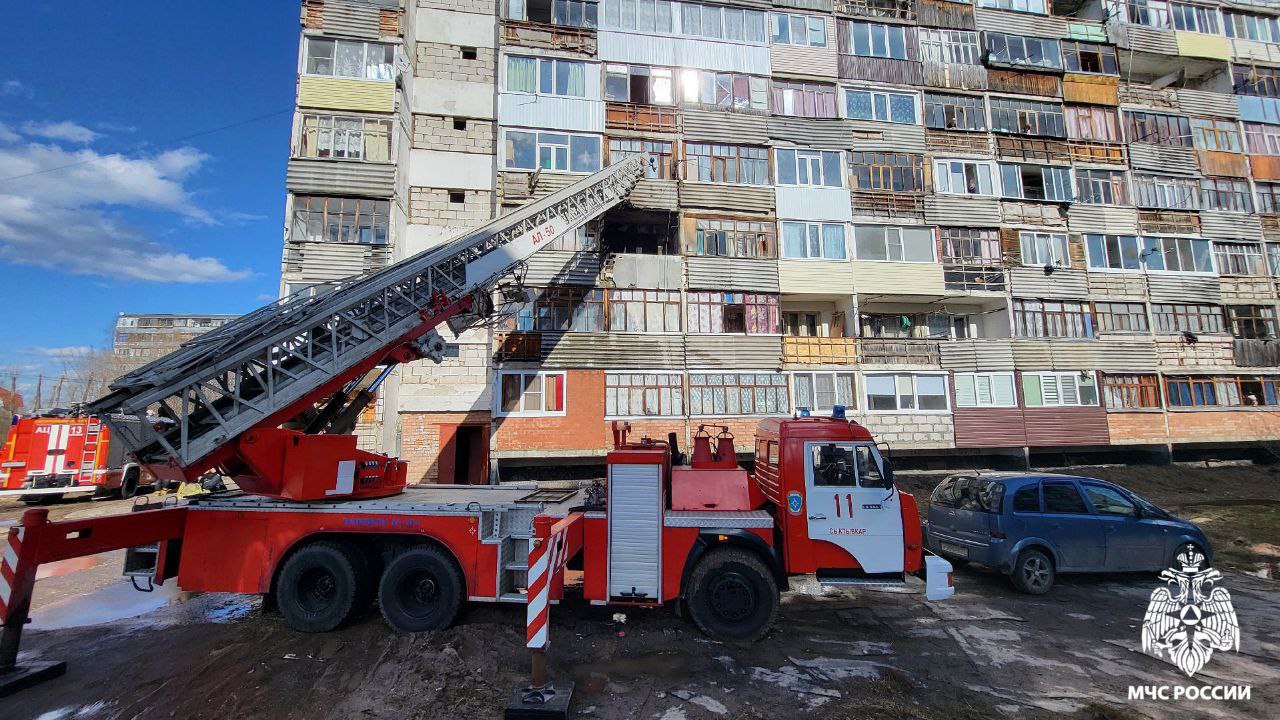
[270, 400]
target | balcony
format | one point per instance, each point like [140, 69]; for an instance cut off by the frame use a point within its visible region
[1168, 222]
[900, 352]
[642, 118]
[889, 9]
[549, 37]
[960, 277]
[518, 346]
[1257, 353]
[1098, 153]
[890, 205]
[820, 350]
[1033, 150]
[1011, 81]
[944, 142]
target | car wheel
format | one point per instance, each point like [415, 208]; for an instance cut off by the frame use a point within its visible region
[321, 585]
[732, 595]
[420, 590]
[129, 485]
[1033, 573]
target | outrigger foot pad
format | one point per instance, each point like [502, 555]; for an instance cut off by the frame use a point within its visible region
[550, 702]
[29, 674]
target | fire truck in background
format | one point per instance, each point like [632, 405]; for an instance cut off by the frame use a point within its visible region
[56, 453]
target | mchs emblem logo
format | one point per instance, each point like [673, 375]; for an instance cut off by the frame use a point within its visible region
[794, 502]
[1189, 618]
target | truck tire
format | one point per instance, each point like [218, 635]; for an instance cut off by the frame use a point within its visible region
[732, 595]
[322, 585]
[421, 589]
[1033, 572]
[129, 484]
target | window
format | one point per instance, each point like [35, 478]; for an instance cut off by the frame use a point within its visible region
[548, 76]
[896, 244]
[1220, 135]
[800, 99]
[822, 241]
[336, 137]
[1059, 389]
[822, 391]
[639, 84]
[963, 177]
[804, 30]
[951, 47]
[1256, 80]
[1195, 18]
[567, 13]
[1176, 318]
[1190, 392]
[1120, 317]
[1130, 392]
[1026, 117]
[349, 59]
[738, 393]
[1083, 57]
[531, 393]
[1228, 391]
[529, 150]
[1166, 193]
[1097, 124]
[813, 168]
[1273, 259]
[1052, 319]
[904, 391]
[1039, 248]
[643, 395]
[716, 237]
[1158, 129]
[1017, 50]
[705, 162]
[340, 220]
[804, 324]
[908, 326]
[1263, 28]
[725, 91]
[954, 112]
[1036, 182]
[1027, 498]
[1252, 322]
[863, 104]
[1101, 187]
[733, 313]
[971, 492]
[721, 23]
[586, 239]
[1268, 197]
[1178, 254]
[663, 167]
[888, 172]
[985, 389]
[1262, 139]
[1225, 194]
[1062, 497]
[971, 246]
[833, 466]
[1239, 258]
[1031, 6]
[869, 39]
[644, 311]
[563, 309]
[652, 16]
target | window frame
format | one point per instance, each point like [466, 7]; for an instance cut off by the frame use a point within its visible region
[990, 377]
[1131, 391]
[499, 407]
[1016, 116]
[1260, 321]
[836, 376]
[1195, 318]
[1234, 258]
[736, 235]
[1015, 46]
[888, 105]
[850, 40]
[302, 148]
[769, 391]
[1094, 184]
[1059, 377]
[1056, 244]
[1077, 49]
[716, 158]
[1133, 315]
[388, 64]
[901, 242]
[809, 239]
[775, 29]
[1055, 178]
[992, 176]
[937, 108]
[949, 46]
[898, 394]
[753, 306]
[1040, 319]
[811, 100]
[668, 302]
[893, 166]
[808, 161]
[542, 76]
[675, 394]
[378, 204]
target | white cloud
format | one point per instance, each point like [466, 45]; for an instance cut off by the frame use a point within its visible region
[13, 87]
[7, 135]
[69, 219]
[65, 353]
[65, 130]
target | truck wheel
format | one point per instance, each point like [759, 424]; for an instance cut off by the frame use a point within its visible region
[1033, 572]
[129, 485]
[420, 590]
[321, 586]
[732, 595]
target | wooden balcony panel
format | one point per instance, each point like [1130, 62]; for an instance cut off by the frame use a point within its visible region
[1168, 222]
[904, 10]
[1087, 151]
[1271, 227]
[644, 118]
[906, 206]
[900, 352]
[1091, 89]
[820, 350]
[389, 22]
[549, 37]
[1012, 81]
[518, 346]
[944, 14]
[1031, 150]
[942, 142]
[1163, 99]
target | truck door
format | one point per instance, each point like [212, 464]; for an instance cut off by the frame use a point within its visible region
[851, 506]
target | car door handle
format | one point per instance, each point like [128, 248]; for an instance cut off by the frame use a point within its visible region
[817, 517]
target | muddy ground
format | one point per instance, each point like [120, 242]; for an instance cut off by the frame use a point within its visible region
[988, 652]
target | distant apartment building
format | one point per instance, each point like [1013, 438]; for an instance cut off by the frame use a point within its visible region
[999, 227]
[141, 338]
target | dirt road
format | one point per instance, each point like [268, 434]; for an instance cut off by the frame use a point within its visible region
[988, 652]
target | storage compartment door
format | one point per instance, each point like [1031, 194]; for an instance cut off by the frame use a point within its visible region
[635, 531]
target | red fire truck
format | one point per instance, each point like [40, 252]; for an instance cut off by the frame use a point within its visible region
[270, 400]
[59, 453]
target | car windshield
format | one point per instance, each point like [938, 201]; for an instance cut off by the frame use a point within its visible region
[967, 492]
[1147, 506]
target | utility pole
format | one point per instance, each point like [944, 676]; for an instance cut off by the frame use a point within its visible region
[39, 388]
[88, 389]
[57, 391]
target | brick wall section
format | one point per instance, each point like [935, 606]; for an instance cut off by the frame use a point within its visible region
[1224, 426]
[483, 7]
[908, 430]
[433, 205]
[437, 132]
[581, 428]
[444, 62]
[1135, 428]
[420, 441]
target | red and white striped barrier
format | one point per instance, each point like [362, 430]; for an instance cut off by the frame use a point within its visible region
[9, 569]
[551, 551]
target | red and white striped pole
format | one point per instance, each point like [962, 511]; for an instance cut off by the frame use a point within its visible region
[542, 567]
[18, 563]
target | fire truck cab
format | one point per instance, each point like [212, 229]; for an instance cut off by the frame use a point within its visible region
[56, 453]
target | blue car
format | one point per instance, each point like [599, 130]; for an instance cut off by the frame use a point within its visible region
[1032, 526]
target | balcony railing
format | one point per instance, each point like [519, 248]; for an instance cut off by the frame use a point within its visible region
[972, 278]
[1257, 353]
[518, 346]
[876, 351]
[549, 37]
[1087, 151]
[969, 143]
[871, 203]
[1024, 83]
[1168, 222]
[1033, 150]
[630, 116]
[892, 9]
[820, 350]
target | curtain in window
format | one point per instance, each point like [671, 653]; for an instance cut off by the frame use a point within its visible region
[377, 142]
[350, 60]
[574, 78]
[522, 74]
[793, 240]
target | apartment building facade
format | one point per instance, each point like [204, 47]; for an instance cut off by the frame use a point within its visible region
[993, 227]
[140, 338]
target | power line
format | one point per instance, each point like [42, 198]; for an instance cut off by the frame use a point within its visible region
[165, 142]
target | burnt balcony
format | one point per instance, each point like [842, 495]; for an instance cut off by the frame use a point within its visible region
[820, 350]
[1022, 83]
[896, 351]
[547, 36]
[1257, 352]
[517, 346]
[1034, 150]
[1088, 151]
[904, 10]
[1168, 222]
[973, 277]
[642, 118]
[890, 205]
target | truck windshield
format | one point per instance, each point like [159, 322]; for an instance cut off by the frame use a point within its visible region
[845, 464]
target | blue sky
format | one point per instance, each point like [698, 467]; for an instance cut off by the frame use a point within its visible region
[150, 217]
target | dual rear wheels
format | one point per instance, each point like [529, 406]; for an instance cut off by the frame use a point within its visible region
[328, 583]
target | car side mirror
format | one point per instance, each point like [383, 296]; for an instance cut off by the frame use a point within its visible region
[1137, 512]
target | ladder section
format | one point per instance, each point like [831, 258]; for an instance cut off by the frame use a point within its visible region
[269, 365]
[89, 452]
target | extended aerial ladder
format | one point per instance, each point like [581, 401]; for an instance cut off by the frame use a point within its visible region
[298, 362]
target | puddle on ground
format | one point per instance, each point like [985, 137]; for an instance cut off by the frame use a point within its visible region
[120, 601]
[594, 678]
